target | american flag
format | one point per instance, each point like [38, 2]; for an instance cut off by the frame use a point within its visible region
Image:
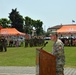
[73, 21]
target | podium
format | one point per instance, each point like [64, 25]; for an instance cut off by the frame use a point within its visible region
[45, 63]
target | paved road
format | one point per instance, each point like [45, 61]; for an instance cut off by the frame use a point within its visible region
[11, 70]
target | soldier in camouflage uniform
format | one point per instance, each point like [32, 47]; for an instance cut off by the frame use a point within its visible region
[4, 43]
[1, 46]
[58, 51]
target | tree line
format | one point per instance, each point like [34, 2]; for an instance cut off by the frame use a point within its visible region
[26, 24]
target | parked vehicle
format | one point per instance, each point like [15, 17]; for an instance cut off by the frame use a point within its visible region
[47, 38]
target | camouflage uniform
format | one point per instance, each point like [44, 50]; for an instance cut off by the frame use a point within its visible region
[58, 51]
[1, 47]
[4, 43]
[26, 42]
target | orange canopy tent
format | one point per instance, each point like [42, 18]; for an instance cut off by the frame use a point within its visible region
[10, 31]
[67, 29]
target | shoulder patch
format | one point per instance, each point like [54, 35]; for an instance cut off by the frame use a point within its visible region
[60, 47]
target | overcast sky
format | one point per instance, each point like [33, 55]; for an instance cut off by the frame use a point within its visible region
[51, 12]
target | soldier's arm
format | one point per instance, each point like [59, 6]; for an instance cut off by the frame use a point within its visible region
[59, 48]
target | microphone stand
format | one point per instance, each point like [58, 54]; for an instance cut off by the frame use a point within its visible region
[44, 45]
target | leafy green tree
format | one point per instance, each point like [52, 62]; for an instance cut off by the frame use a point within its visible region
[4, 22]
[28, 25]
[16, 20]
[38, 26]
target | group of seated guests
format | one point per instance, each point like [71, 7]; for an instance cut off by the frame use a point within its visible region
[69, 41]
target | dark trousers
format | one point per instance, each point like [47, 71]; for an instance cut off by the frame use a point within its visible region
[5, 48]
[1, 48]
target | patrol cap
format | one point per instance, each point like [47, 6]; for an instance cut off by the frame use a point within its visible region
[53, 33]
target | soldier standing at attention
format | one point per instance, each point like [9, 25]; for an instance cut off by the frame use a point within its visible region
[58, 51]
[1, 47]
[4, 43]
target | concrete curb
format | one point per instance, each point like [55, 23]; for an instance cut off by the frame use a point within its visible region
[14, 70]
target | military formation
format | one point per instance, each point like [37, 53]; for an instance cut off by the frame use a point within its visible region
[33, 42]
[3, 44]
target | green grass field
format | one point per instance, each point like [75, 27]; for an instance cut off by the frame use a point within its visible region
[21, 56]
